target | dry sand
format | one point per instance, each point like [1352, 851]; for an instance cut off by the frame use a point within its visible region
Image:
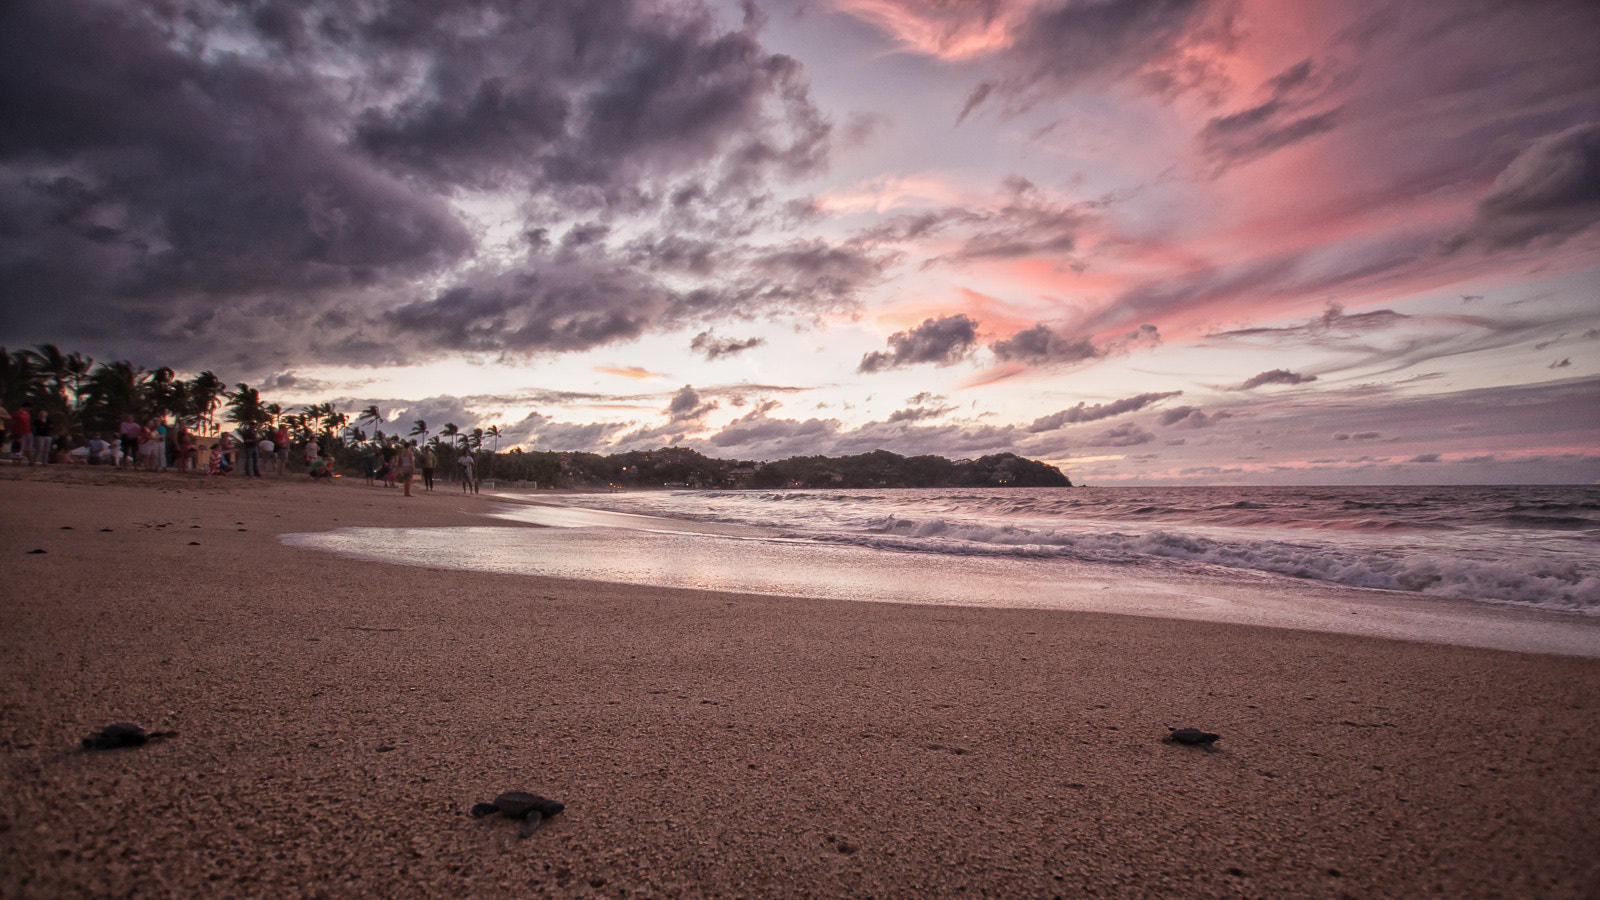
[336, 719]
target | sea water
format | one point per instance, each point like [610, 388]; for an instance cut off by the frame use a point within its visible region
[1509, 567]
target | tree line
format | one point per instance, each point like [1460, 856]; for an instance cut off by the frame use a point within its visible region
[83, 398]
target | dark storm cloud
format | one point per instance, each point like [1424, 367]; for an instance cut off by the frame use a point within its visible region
[1276, 376]
[716, 348]
[261, 205]
[1086, 413]
[943, 341]
[562, 309]
[1548, 193]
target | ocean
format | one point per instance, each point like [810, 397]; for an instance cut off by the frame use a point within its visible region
[1514, 567]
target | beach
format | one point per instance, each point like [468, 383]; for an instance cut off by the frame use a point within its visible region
[337, 718]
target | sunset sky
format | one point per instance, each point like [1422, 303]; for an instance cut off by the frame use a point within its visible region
[1149, 241]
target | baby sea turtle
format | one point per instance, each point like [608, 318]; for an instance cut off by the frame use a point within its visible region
[532, 809]
[1193, 737]
[122, 734]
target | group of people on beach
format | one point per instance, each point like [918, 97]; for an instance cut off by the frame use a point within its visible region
[154, 445]
[399, 463]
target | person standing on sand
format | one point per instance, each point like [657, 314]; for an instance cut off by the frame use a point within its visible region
[311, 451]
[387, 473]
[429, 462]
[468, 485]
[128, 439]
[408, 465]
[280, 443]
[22, 428]
[42, 443]
[251, 442]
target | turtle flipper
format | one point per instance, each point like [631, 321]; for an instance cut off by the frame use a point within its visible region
[531, 823]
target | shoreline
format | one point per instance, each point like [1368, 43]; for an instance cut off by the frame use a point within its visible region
[336, 718]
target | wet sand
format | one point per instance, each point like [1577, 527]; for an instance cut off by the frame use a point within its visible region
[336, 719]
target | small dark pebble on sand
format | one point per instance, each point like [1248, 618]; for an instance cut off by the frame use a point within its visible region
[194, 543]
[1193, 737]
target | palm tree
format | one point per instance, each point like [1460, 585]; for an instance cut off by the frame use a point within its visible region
[450, 431]
[116, 389]
[78, 367]
[419, 427]
[205, 392]
[244, 406]
[371, 414]
[494, 432]
[475, 440]
[50, 363]
[18, 377]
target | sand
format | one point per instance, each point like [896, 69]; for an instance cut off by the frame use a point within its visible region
[336, 719]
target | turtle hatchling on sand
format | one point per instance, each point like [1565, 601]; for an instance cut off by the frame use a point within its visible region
[122, 734]
[1193, 737]
[532, 809]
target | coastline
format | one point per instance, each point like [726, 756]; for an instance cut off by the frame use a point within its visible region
[336, 718]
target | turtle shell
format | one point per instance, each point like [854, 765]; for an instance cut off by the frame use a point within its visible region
[518, 804]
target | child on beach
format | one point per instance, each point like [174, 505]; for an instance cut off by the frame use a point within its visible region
[219, 462]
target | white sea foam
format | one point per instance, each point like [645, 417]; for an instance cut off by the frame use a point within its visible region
[1533, 546]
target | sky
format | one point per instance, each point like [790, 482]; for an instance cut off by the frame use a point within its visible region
[1148, 241]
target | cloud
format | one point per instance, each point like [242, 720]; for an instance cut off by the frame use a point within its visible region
[1547, 194]
[1277, 122]
[1066, 45]
[716, 348]
[1332, 324]
[1425, 458]
[1275, 376]
[686, 406]
[1190, 417]
[943, 341]
[635, 372]
[276, 202]
[1086, 413]
[919, 413]
[1042, 345]
[1128, 434]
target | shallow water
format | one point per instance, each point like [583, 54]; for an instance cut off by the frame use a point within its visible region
[630, 548]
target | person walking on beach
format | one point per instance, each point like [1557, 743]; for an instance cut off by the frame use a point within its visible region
[429, 462]
[468, 485]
